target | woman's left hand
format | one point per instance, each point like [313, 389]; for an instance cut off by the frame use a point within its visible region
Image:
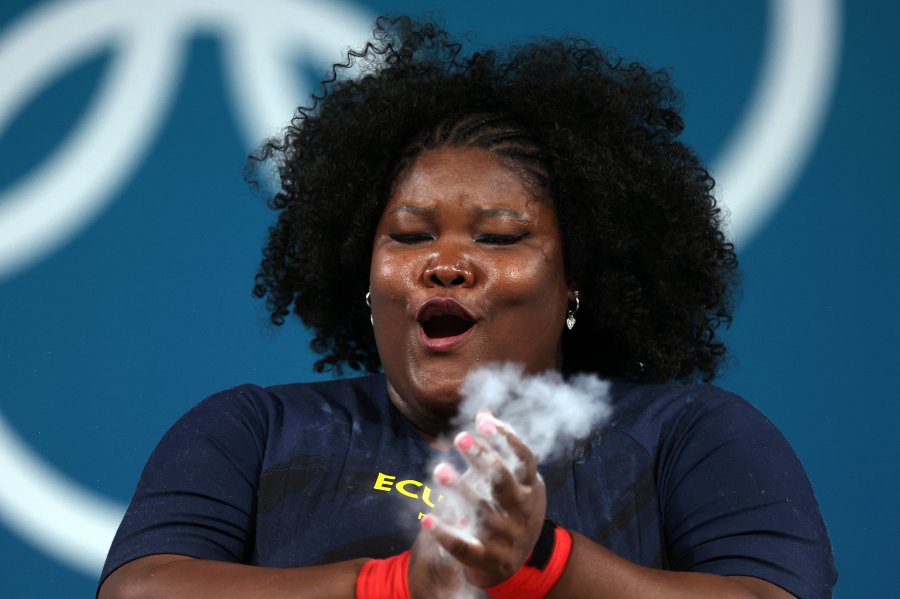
[431, 574]
[505, 493]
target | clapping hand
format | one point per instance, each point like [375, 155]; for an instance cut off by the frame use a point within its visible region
[491, 516]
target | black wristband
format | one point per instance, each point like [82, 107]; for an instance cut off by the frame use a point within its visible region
[543, 549]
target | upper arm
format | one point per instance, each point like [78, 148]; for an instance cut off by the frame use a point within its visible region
[125, 580]
[762, 588]
[737, 502]
[197, 494]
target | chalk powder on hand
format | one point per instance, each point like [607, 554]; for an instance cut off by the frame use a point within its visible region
[549, 414]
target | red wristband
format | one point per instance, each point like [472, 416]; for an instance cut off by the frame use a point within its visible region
[534, 580]
[384, 578]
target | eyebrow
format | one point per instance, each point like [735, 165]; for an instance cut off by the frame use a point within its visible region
[416, 210]
[503, 212]
[479, 212]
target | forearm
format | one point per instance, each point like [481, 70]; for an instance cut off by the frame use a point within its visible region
[167, 576]
[597, 573]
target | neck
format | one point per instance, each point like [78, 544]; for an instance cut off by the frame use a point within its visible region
[432, 424]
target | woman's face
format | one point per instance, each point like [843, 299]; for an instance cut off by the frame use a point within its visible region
[467, 269]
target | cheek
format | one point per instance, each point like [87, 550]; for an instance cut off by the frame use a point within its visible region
[390, 285]
[393, 281]
[388, 274]
[536, 279]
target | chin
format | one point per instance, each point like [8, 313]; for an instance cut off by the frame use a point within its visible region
[441, 389]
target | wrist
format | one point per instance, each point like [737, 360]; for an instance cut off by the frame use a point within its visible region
[384, 578]
[541, 570]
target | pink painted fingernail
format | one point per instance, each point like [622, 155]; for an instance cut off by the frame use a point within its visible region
[428, 522]
[465, 441]
[444, 473]
[486, 426]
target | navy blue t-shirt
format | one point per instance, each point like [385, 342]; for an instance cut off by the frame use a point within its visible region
[683, 477]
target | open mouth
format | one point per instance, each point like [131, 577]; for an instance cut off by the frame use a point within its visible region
[437, 327]
[441, 318]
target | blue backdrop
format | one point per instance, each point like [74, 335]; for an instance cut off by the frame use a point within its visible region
[128, 239]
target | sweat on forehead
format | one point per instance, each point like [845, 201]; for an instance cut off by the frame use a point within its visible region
[494, 132]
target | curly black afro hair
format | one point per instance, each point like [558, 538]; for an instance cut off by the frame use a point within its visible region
[641, 230]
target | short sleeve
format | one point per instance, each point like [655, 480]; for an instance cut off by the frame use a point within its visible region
[197, 493]
[736, 501]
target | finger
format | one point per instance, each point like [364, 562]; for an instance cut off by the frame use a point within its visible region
[490, 431]
[458, 542]
[469, 504]
[518, 456]
[492, 483]
[488, 474]
[479, 455]
[485, 567]
[468, 489]
[430, 567]
[445, 474]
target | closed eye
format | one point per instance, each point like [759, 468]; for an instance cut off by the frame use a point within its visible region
[410, 238]
[495, 239]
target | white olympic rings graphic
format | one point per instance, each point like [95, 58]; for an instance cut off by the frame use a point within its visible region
[40, 213]
[762, 159]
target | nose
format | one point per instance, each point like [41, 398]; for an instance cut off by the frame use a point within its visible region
[446, 272]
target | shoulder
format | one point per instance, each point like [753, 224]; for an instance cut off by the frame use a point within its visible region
[734, 498]
[268, 405]
[654, 413]
[253, 416]
[343, 394]
[691, 428]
